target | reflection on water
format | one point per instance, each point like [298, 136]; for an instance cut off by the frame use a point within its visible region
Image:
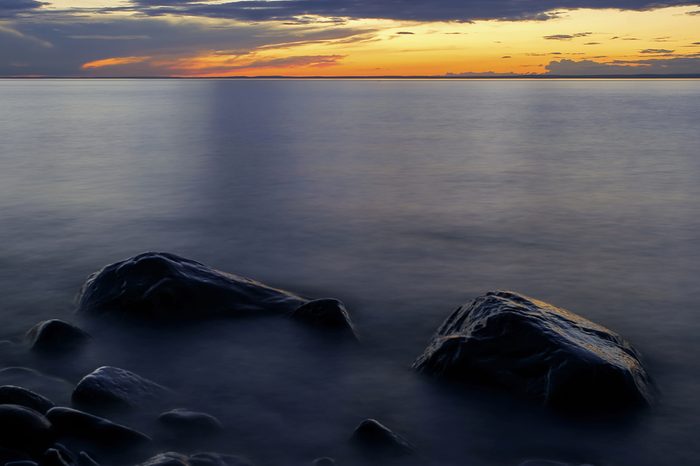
[404, 199]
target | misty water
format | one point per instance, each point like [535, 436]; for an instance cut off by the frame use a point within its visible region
[404, 199]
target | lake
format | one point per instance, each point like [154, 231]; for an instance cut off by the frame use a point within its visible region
[403, 198]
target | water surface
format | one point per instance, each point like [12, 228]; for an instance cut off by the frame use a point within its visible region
[405, 199]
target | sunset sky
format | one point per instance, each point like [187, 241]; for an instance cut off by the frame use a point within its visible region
[347, 37]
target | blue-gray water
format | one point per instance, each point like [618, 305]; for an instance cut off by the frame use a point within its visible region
[404, 199]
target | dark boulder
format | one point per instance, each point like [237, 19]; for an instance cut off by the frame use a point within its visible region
[56, 457]
[21, 463]
[375, 436]
[190, 422]
[162, 286]
[24, 430]
[113, 387]
[10, 394]
[543, 351]
[56, 335]
[327, 313]
[198, 459]
[72, 423]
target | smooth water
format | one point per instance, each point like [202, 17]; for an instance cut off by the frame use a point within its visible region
[403, 198]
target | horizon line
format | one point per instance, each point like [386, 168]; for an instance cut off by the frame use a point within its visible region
[387, 77]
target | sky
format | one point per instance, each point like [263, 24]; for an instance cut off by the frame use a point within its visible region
[450, 38]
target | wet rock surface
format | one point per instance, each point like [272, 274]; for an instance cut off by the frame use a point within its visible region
[114, 387]
[197, 459]
[166, 287]
[56, 335]
[371, 435]
[24, 430]
[68, 422]
[11, 394]
[326, 313]
[543, 351]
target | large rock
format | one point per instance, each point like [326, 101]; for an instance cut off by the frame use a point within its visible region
[56, 335]
[113, 387]
[72, 423]
[543, 351]
[162, 286]
[24, 429]
[10, 394]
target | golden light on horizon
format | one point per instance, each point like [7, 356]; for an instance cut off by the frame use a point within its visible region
[376, 47]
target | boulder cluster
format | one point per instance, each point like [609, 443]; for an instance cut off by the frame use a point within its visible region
[501, 339]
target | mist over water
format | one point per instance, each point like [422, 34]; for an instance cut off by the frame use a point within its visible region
[404, 199]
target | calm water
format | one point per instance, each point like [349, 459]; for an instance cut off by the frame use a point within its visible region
[404, 199]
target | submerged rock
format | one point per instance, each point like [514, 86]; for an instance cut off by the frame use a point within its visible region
[325, 461]
[327, 313]
[24, 430]
[10, 394]
[113, 387]
[94, 429]
[190, 422]
[198, 459]
[162, 286]
[54, 388]
[372, 434]
[56, 335]
[546, 352]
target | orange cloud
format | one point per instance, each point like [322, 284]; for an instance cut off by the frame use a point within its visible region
[115, 61]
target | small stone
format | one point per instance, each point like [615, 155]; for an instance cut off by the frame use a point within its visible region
[10, 394]
[86, 460]
[113, 387]
[375, 435]
[56, 335]
[325, 461]
[95, 429]
[326, 313]
[24, 429]
[191, 422]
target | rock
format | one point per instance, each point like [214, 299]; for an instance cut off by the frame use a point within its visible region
[54, 457]
[376, 436]
[94, 429]
[198, 459]
[190, 422]
[167, 459]
[323, 462]
[10, 394]
[86, 460]
[548, 463]
[327, 313]
[24, 429]
[21, 463]
[52, 387]
[546, 352]
[216, 459]
[113, 387]
[165, 287]
[56, 335]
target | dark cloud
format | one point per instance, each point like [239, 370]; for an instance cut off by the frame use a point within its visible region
[656, 51]
[417, 10]
[10, 8]
[61, 49]
[567, 36]
[649, 67]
